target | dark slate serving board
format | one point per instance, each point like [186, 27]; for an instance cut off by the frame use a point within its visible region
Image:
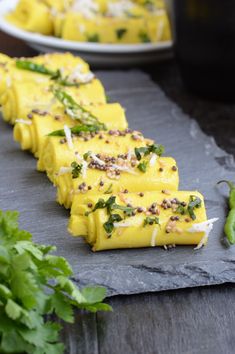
[201, 165]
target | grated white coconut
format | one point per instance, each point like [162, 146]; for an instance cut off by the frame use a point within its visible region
[154, 235]
[23, 121]
[205, 227]
[79, 76]
[87, 8]
[153, 159]
[63, 170]
[96, 159]
[68, 136]
[119, 8]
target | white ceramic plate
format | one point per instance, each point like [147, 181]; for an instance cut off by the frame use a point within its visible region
[96, 54]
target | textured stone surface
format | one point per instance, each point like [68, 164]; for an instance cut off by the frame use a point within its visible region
[201, 165]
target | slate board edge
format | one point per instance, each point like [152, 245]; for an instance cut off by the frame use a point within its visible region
[205, 274]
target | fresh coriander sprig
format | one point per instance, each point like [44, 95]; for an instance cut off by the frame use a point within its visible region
[111, 205]
[151, 221]
[194, 203]
[147, 150]
[76, 111]
[142, 166]
[76, 169]
[42, 69]
[34, 284]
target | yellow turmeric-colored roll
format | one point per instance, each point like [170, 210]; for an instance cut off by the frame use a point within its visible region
[69, 65]
[136, 220]
[104, 173]
[32, 133]
[154, 28]
[33, 16]
[22, 98]
[56, 153]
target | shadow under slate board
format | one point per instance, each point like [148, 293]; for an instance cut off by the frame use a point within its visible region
[201, 164]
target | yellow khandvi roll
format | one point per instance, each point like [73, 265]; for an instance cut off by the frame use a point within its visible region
[32, 133]
[153, 28]
[33, 16]
[56, 153]
[69, 65]
[5, 65]
[146, 219]
[103, 173]
[22, 98]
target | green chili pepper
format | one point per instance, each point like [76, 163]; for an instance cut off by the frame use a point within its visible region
[231, 194]
[229, 227]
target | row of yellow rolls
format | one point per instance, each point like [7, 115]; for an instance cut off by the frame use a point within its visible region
[121, 191]
[87, 20]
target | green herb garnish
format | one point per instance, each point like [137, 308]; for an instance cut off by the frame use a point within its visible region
[42, 69]
[93, 38]
[143, 166]
[109, 190]
[76, 111]
[144, 37]
[34, 284]
[76, 130]
[120, 32]
[181, 210]
[111, 205]
[109, 225]
[76, 169]
[147, 150]
[194, 202]
[151, 221]
[86, 155]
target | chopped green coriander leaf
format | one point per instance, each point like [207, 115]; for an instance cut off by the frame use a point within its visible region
[111, 205]
[181, 210]
[76, 169]
[120, 32]
[151, 221]
[143, 166]
[194, 203]
[109, 225]
[93, 38]
[147, 150]
[144, 37]
[86, 155]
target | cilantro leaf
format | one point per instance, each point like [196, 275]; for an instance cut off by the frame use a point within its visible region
[34, 284]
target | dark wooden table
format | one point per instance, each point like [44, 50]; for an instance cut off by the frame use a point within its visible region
[189, 321]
